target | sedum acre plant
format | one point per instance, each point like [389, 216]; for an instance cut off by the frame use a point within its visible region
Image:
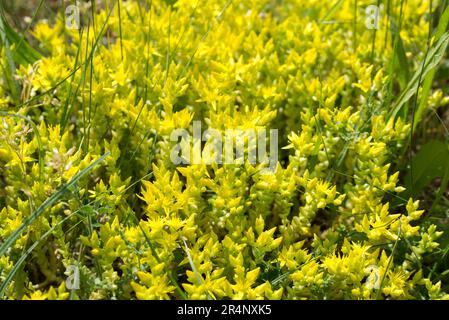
[92, 205]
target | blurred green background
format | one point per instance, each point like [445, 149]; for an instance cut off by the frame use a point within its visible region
[20, 12]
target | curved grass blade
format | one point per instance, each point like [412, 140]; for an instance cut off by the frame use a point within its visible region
[195, 271]
[9, 70]
[46, 204]
[27, 50]
[23, 52]
[432, 60]
[22, 258]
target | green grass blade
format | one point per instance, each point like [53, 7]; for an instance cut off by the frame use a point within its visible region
[399, 56]
[9, 70]
[22, 53]
[216, 21]
[434, 57]
[70, 95]
[428, 80]
[38, 138]
[120, 28]
[23, 48]
[46, 204]
[19, 262]
[154, 252]
[195, 270]
[332, 11]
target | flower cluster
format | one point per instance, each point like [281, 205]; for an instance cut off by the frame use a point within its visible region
[328, 223]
